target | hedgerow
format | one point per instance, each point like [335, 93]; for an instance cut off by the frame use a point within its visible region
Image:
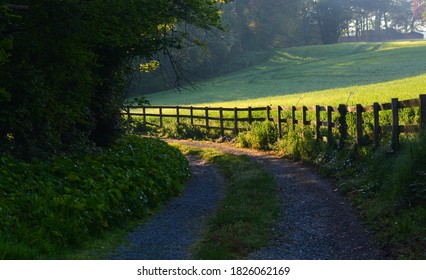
[46, 206]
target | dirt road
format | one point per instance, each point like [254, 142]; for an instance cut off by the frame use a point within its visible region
[316, 222]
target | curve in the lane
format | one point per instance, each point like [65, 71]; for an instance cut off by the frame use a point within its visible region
[315, 222]
[170, 233]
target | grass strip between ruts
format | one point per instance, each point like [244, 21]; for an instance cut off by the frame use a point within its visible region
[243, 221]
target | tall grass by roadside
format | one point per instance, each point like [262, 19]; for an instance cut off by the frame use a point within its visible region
[390, 190]
[242, 223]
[260, 136]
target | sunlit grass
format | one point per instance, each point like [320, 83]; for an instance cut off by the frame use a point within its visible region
[320, 74]
[380, 92]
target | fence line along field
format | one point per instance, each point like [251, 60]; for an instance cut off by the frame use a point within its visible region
[330, 122]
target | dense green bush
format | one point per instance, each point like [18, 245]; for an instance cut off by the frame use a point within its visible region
[186, 131]
[183, 131]
[49, 205]
[299, 143]
[260, 136]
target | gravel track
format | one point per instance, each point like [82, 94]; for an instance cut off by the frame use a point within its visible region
[316, 222]
[172, 231]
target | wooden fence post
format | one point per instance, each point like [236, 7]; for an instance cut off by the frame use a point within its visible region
[304, 110]
[191, 113]
[250, 115]
[359, 122]
[161, 117]
[129, 117]
[318, 122]
[422, 98]
[343, 125]
[268, 113]
[293, 117]
[144, 114]
[329, 124]
[395, 124]
[207, 118]
[235, 121]
[177, 115]
[279, 120]
[222, 129]
[377, 130]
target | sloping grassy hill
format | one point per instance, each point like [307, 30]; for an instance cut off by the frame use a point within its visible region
[318, 74]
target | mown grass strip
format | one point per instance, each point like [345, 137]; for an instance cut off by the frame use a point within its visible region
[242, 223]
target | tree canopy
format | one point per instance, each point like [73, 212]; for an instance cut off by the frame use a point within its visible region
[64, 64]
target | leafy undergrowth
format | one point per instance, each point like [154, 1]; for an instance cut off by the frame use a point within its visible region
[390, 190]
[260, 136]
[172, 130]
[242, 223]
[49, 207]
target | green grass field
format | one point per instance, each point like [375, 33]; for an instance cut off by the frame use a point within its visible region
[323, 75]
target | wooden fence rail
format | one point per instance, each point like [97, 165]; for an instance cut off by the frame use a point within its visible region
[215, 118]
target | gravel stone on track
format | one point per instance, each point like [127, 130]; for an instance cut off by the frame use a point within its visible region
[170, 233]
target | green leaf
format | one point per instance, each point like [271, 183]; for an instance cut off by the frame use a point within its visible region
[73, 177]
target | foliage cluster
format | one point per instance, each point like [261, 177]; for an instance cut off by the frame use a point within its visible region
[185, 131]
[48, 206]
[389, 188]
[299, 144]
[65, 64]
[241, 224]
[171, 129]
[260, 136]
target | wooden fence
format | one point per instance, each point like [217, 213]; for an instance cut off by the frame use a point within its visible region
[323, 116]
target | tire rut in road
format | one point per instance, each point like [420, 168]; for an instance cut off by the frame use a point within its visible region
[170, 233]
